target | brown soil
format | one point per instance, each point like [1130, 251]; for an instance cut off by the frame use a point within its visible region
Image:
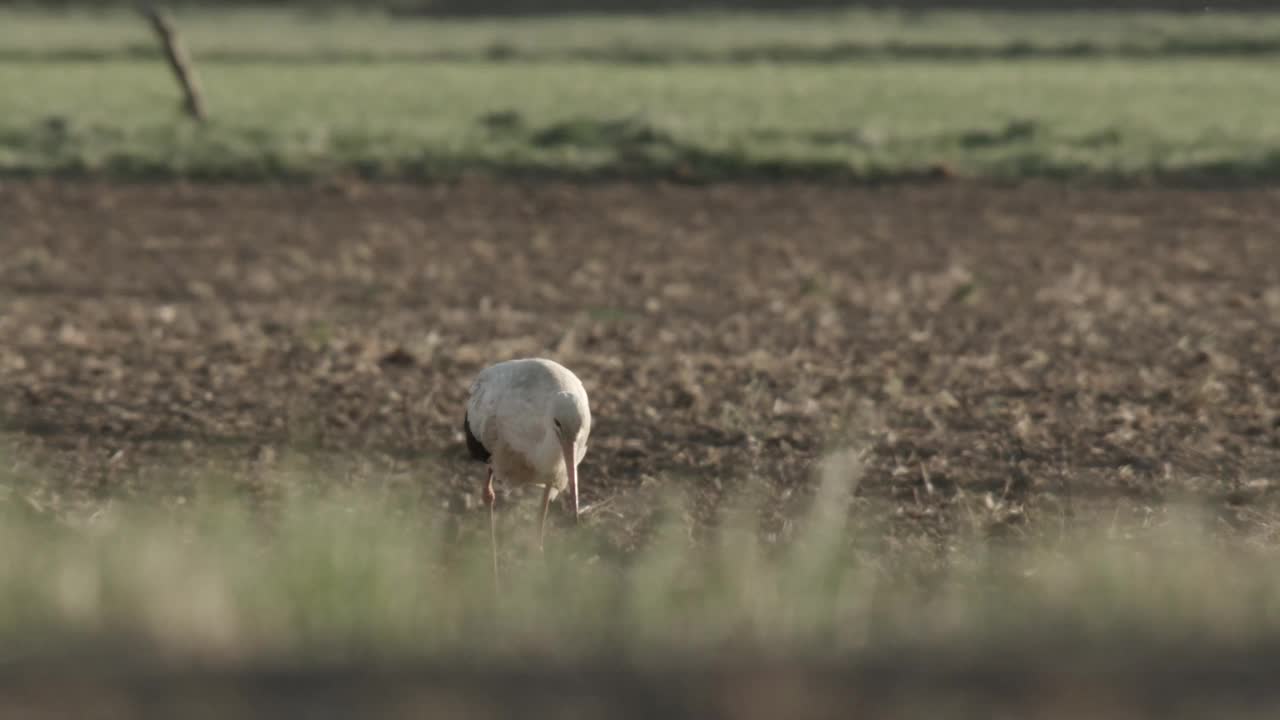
[997, 354]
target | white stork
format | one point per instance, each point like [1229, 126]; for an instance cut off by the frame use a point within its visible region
[528, 421]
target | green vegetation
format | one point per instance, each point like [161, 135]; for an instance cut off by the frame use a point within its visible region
[294, 36]
[346, 575]
[847, 94]
[406, 120]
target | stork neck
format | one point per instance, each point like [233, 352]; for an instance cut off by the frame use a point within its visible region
[549, 451]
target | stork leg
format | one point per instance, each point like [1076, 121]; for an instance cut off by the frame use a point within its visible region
[542, 524]
[490, 499]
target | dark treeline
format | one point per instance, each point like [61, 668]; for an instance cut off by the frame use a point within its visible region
[539, 7]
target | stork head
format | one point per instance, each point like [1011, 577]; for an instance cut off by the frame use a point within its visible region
[567, 417]
[570, 419]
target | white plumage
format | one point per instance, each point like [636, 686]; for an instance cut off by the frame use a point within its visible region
[529, 421]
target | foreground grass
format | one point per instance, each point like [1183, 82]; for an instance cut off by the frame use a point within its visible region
[1182, 118]
[353, 575]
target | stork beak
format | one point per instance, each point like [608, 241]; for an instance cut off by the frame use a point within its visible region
[571, 468]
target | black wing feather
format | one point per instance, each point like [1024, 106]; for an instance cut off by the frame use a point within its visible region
[474, 446]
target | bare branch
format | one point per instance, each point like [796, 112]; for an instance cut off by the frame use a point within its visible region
[179, 60]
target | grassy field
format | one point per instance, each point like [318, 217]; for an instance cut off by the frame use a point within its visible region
[926, 450]
[804, 96]
[219, 580]
[342, 587]
[293, 36]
